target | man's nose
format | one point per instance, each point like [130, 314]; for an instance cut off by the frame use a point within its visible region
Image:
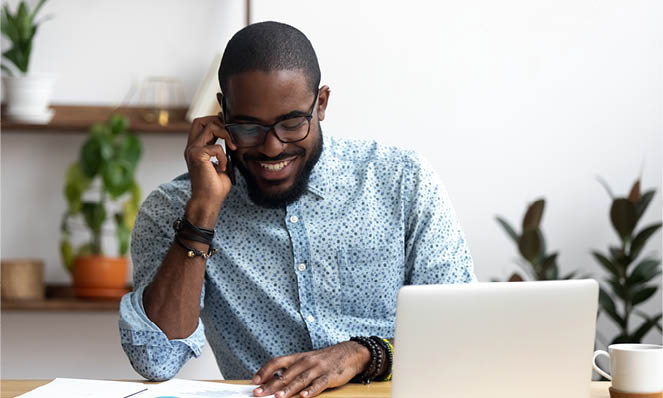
[272, 146]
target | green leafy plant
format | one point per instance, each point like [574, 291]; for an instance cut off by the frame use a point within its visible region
[20, 28]
[109, 155]
[631, 285]
[532, 246]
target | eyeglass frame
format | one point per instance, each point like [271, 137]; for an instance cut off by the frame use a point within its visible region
[272, 126]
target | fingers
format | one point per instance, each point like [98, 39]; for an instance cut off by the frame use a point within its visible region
[293, 380]
[266, 373]
[198, 155]
[206, 130]
[317, 386]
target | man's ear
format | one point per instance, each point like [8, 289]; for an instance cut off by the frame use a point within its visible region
[323, 100]
[219, 97]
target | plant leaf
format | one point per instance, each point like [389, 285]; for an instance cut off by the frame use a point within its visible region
[620, 258]
[607, 264]
[67, 253]
[533, 216]
[94, 152]
[643, 203]
[37, 8]
[642, 331]
[634, 195]
[507, 227]
[94, 214]
[117, 177]
[609, 307]
[623, 216]
[641, 238]
[118, 124]
[617, 288]
[128, 148]
[529, 244]
[621, 339]
[643, 295]
[123, 234]
[644, 272]
[570, 275]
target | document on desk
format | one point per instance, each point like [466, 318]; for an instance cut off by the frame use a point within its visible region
[179, 388]
[83, 388]
[175, 388]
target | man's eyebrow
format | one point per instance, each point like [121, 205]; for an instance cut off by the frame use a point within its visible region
[247, 118]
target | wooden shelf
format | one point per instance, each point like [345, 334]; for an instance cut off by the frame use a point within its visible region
[74, 118]
[62, 298]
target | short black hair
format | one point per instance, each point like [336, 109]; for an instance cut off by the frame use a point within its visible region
[269, 46]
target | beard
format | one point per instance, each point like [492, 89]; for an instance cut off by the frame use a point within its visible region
[281, 199]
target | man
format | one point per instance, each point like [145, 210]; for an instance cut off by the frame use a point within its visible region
[314, 239]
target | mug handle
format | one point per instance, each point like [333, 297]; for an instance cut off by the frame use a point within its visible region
[596, 367]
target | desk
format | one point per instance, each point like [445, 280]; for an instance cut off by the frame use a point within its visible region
[12, 388]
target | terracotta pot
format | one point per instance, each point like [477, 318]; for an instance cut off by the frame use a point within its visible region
[98, 276]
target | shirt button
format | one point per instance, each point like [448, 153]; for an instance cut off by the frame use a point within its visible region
[301, 267]
[294, 219]
[310, 318]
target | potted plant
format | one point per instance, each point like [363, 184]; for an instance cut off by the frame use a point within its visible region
[630, 284]
[532, 247]
[27, 94]
[100, 186]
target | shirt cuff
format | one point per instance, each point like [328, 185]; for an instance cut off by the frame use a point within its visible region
[137, 329]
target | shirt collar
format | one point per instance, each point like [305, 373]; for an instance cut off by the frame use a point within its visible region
[318, 183]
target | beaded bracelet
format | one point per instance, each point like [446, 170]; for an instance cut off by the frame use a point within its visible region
[389, 350]
[377, 358]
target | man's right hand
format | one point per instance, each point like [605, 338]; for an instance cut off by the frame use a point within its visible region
[209, 182]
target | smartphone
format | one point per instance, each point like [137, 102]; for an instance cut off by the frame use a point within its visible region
[230, 169]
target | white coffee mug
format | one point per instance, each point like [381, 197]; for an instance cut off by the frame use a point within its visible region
[634, 368]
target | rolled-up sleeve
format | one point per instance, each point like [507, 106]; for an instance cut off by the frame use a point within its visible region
[149, 350]
[436, 251]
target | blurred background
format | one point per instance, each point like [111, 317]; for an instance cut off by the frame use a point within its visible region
[511, 101]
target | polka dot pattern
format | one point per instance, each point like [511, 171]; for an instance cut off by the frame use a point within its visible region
[327, 267]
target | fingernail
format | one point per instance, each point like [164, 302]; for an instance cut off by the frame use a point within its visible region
[304, 393]
[258, 390]
[280, 394]
[256, 380]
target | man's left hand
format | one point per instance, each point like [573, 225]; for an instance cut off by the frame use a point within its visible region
[310, 373]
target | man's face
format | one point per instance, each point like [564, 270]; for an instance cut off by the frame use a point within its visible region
[276, 172]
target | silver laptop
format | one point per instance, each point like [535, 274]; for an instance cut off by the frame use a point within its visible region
[515, 340]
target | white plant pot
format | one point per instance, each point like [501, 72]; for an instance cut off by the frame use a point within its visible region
[28, 97]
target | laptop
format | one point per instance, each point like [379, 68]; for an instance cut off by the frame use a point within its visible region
[515, 340]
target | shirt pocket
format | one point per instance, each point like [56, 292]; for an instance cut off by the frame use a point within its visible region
[370, 278]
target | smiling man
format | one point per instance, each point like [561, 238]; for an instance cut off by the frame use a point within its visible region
[292, 272]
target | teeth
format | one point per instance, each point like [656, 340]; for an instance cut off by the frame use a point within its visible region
[275, 166]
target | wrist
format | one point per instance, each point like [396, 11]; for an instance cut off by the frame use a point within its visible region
[363, 357]
[202, 213]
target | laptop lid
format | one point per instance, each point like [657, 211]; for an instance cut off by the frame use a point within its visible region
[525, 339]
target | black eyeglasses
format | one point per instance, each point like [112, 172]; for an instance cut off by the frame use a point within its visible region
[292, 129]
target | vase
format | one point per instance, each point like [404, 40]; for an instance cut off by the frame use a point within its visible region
[28, 98]
[100, 276]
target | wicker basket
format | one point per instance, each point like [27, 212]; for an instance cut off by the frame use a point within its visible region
[22, 279]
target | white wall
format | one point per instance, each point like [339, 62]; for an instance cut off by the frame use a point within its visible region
[509, 100]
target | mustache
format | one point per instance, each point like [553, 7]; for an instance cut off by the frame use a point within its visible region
[280, 156]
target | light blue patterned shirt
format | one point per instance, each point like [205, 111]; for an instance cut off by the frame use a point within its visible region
[327, 267]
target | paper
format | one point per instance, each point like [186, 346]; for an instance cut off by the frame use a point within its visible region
[83, 388]
[179, 388]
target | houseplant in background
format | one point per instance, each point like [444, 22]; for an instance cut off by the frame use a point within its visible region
[99, 186]
[630, 283]
[532, 246]
[27, 94]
